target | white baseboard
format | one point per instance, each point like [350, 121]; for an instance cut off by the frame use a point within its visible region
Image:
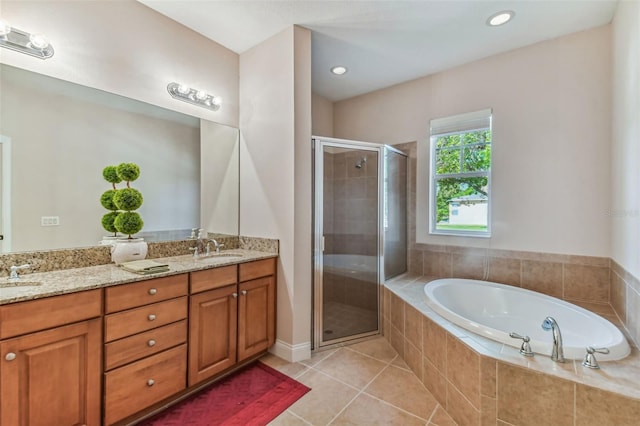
[291, 353]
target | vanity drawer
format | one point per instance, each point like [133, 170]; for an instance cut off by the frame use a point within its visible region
[134, 387]
[213, 278]
[257, 269]
[141, 345]
[128, 296]
[133, 321]
[35, 315]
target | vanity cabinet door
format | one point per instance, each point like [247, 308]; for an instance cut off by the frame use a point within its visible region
[256, 316]
[52, 377]
[212, 332]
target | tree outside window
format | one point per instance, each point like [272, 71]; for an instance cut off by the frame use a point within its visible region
[461, 165]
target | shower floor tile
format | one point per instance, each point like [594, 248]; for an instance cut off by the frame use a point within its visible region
[341, 319]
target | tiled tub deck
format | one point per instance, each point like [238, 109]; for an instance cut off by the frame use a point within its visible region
[482, 382]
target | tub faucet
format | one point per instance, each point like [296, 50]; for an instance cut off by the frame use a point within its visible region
[557, 353]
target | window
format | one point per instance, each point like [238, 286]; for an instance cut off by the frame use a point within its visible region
[461, 174]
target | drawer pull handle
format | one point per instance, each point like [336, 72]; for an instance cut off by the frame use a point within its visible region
[152, 291]
[235, 295]
[151, 317]
[10, 356]
[151, 343]
[151, 382]
[244, 292]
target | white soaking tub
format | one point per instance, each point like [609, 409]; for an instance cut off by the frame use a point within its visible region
[494, 310]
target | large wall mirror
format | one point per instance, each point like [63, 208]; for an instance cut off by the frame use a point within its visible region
[55, 139]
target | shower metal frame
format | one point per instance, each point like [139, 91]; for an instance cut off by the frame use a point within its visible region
[318, 145]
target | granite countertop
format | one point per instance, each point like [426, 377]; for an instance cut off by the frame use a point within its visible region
[46, 284]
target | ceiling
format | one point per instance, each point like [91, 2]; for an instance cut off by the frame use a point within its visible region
[383, 42]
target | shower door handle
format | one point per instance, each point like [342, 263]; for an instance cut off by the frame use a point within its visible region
[322, 244]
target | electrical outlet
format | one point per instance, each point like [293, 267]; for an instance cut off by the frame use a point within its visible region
[50, 221]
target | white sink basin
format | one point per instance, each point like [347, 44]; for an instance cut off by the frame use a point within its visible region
[216, 256]
[18, 284]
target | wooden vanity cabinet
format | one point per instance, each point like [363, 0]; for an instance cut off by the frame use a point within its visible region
[256, 307]
[145, 331]
[51, 357]
[213, 322]
[232, 316]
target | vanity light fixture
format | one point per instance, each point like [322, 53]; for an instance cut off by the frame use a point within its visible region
[21, 41]
[339, 70]
[500, 18]
[194, 96]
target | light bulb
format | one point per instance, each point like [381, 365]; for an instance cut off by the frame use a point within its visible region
[38, 41]
[201, 95]
[5, 28]
[339, 70]
[500, 18]
[216, 100]
[183, 89]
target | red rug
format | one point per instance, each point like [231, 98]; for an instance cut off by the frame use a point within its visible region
[254, 395]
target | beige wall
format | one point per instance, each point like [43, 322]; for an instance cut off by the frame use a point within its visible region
[551, 131]
[126, 48]
[322, 113]
[275, 122]
[625, 165]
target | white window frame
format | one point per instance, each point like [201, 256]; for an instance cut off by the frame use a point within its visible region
[461, 123]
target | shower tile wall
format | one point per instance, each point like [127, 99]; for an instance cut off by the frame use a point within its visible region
[350, 224]
[355, 214]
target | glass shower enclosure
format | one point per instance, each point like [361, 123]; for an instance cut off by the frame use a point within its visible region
[351, 219]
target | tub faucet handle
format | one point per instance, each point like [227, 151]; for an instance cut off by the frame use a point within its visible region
[590, 360]
[525, 349]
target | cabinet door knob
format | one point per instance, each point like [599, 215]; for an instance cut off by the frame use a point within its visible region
[152, 291]
[10, 356]
[244, 292]
[151, 343]
[151, 317]
[235, 295]
[151, 382]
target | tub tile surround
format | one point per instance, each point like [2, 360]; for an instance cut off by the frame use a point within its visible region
[598, 284]
[482, 382]
[55, 260]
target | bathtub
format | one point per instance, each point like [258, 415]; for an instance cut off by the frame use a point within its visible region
[494, 310]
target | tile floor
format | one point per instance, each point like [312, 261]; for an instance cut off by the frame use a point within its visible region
[365, 383]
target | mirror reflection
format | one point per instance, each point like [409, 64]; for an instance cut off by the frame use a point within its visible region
[56, 138]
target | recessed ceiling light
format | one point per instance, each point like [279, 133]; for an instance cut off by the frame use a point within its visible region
[500, 18]
[338, 70]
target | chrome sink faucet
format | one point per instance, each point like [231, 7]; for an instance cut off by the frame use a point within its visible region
[13, 271]
[216, 246]
[557, 353]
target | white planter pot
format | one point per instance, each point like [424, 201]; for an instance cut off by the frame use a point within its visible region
[125, 250]
[109, 240]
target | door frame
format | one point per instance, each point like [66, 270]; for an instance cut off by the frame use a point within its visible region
[5, 224]
[318, 145]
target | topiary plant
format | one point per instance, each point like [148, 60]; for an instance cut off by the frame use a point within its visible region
[110, 174]
[122, 202]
